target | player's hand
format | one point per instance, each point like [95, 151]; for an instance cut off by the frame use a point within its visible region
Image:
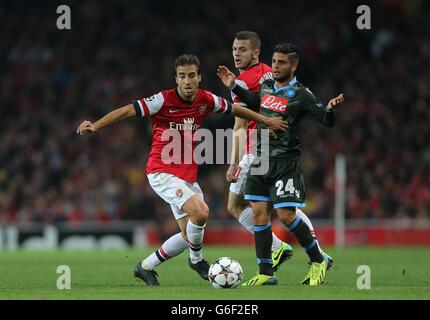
[226, 76]
[230, 176]
[335, 102]
[273, 133]
[85, 126]
[274, 124]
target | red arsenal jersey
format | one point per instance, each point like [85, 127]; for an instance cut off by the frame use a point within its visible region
[251, 79]
[174, 122]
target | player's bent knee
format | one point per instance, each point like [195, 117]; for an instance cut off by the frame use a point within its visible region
[286, 215]
[236, 204]
[200, 214]
[231, 208]
[204, 212]
[184, 236]
[234, 210]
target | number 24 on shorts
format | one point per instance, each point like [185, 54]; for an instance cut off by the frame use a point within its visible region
[289, 187]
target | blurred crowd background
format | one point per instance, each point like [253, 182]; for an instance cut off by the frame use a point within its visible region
[117, 51]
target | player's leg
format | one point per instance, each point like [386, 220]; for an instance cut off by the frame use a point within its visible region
[306, 219]
[288, 193]
[175, 245]
[242, 211]
[258, 193]
[300, 229]
[237, 206]
[198, 213]
[263, 240]
[186, 200]
[170, 248]
[262, 236]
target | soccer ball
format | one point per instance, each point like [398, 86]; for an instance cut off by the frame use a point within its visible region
[225, 273]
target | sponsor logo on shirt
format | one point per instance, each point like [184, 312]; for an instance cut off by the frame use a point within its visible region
[188, 125]
[274, 103]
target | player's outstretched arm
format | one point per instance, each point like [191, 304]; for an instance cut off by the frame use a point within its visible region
[111, 117]
[325, 116]
[251, 99]
[272, 123]
[333, 103]
[226, 76]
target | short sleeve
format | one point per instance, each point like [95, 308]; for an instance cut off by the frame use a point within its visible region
[220, 105]
[234, 97]
[149, 106]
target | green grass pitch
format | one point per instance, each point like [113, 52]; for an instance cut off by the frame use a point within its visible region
[396, 273]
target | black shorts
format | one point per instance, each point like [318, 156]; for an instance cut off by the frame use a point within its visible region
[283, 185]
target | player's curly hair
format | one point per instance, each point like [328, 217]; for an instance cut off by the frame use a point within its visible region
[187, 60]
[289, 49]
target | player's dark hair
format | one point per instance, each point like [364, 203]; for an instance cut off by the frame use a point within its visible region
[187, 60]
[289, 49]
[251, 36]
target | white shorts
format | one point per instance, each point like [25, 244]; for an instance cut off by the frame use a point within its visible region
[238, 187]
[174, 191]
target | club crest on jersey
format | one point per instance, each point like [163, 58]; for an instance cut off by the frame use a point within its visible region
[291, 93]
[202, 109]
[274, 103]
[179, 193]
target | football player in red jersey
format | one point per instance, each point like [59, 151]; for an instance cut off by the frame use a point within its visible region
[181, 109]
[252, 73]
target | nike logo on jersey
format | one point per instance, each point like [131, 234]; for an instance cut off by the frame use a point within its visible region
[173, 110]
